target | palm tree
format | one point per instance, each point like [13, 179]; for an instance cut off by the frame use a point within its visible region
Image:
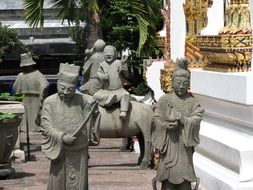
[147, 13]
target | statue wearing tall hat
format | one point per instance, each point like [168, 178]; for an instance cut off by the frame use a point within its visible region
[33, 84]
[65, 123]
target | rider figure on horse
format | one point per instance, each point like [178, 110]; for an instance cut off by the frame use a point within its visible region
[94, 57]
[112, 74]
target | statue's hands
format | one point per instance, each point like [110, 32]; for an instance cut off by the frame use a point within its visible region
[68, 139]
[120, 69]
[174, 119]
[172, 125]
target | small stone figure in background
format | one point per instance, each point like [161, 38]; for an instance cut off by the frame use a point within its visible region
[33, 84]
[94, 57]
[112, 73]
[175, 132]
[65, 123]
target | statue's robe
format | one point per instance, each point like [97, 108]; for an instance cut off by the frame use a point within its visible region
[92, 83]
[176, 145]
[69, 163]
[34, 86]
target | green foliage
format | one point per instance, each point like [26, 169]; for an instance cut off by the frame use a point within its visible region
[149, 17]
[6, 116]
[34, 12]
[145, 14]
[119, 25]
[132, 23]
[7, 97]
[141, 89]
[8, 40]
[79, 32]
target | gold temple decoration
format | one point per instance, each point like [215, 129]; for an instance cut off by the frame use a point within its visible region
[227, 53]
[196, 19]
[166, 76]
[230, 51]
[237, 18]
[196, 15]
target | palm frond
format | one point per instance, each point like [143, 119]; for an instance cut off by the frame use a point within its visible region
[93, 6]
[33, 10]
[66, 9]
[146, 12]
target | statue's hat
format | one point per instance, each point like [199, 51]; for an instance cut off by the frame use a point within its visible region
[26, 60]
[68, 73]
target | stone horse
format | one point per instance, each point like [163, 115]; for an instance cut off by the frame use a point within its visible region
[137, 123]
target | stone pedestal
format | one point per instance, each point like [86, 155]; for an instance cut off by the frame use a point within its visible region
[224, 158]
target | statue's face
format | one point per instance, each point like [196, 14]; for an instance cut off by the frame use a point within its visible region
[65, 90]
[109, 55]
[181, 85]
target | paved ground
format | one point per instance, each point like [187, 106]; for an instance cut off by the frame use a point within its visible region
[109, 169]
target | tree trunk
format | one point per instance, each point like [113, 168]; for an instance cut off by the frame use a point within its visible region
[94, 29]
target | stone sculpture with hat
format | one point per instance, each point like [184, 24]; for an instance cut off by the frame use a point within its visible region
[34, 85]
[65, 124]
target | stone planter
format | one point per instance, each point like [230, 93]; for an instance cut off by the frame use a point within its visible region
[8, 136]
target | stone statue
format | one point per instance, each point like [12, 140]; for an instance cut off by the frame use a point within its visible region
[111, 74]
[65, 123]
[33, 84]
[94, 57]
[175, 132]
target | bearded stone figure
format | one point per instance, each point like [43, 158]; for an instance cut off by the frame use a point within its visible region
[65, 124]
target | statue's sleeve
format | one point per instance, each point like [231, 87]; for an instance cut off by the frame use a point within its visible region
[101, 72]
[124, 71]
[160, 127]
[87, 66]
[52, 139]
[94, 129]
[17, 84]
[191, 128]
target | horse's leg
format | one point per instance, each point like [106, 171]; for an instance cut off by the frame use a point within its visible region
[146, 155]
[123, 144]
[142, 147]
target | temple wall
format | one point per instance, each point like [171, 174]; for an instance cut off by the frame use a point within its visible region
[215, 18]
[251, 20]
[224, 158]
[178, 29]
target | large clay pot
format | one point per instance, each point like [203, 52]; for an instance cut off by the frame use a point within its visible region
[8, 137]
[9, 132]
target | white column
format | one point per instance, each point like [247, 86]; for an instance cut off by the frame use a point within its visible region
[177, 29]
[153, 78]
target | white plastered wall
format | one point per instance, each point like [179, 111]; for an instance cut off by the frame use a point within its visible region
[215, 15]
[251, 20]
[177, 29]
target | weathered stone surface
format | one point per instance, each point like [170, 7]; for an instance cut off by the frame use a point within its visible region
[66, 120]
[175, 132]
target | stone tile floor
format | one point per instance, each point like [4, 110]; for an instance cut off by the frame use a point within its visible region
[109, 169]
